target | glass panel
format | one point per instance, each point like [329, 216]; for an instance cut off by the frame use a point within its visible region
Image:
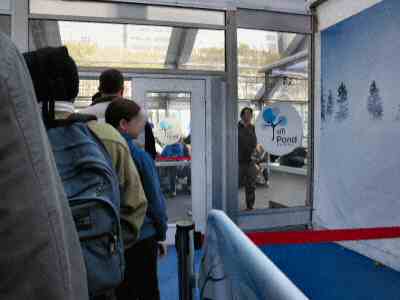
[273, 70]
[208, 51]
[132, 46]
[5, 24]
[127, 11]
[256, 49]
[170, 115]
[122, 45]
[89, 87]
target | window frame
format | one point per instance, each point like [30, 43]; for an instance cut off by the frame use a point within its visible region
[21, 16]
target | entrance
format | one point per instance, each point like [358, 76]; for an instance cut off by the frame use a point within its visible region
[176, 109]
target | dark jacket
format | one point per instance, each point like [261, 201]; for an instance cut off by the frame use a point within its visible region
[175, 150]
[40, 254]
[294, 159]
[247, 142]
[155, 222]
[150, 141]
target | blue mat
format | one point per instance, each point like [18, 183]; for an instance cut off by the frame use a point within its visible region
[168, 274]
[329, 271]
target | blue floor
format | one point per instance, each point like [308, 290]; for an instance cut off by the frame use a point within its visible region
[168, 274]
[329, 271]
[321, 271]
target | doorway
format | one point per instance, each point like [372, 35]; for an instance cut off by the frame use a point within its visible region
[176, 109]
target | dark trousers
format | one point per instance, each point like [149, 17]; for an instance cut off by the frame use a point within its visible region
[107, 296]
[247, 178]
[141, 280]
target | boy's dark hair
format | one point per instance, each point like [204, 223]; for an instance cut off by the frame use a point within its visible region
[244, 110]
[55, 78]
[121, 109]
[111, 81]
[54, 74]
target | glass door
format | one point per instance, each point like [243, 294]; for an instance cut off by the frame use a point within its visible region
[175, 108]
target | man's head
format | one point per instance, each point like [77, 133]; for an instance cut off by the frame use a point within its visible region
[126, 116]
[111, 83]
[246, 115]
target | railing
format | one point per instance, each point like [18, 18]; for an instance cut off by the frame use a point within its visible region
[234, 268]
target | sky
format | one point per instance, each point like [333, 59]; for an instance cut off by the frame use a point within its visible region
[111, 35]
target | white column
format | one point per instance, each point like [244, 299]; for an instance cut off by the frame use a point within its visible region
[19, 24]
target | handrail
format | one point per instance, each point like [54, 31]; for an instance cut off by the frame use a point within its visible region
[234, 268]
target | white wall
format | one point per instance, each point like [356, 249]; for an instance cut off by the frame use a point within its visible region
[379, 211]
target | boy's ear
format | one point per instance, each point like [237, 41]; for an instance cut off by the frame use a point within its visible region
[123, 124]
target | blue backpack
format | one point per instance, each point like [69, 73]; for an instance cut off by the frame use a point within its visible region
[92, 189]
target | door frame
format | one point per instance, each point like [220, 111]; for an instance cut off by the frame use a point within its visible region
[201, 193]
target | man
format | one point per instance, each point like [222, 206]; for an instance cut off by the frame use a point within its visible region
[247, 144]
[111, 86]
[40, 255]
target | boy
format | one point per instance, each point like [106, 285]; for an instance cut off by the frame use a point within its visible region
[141, 282]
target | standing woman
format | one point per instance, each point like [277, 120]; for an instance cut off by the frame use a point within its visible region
[247, 145]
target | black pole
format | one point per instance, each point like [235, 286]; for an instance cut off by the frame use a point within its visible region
[184, 244]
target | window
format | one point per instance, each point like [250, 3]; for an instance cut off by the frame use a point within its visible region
[208, 51]
[132, 46]
[256, 48]
[5, 24]
[273, 67]
[176, 106]
[117, 45]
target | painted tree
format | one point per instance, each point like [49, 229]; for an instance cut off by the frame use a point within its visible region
[323, 107]
[374, 105]
[343, 103]
[330, 105]
[397, 117]
[272, 119]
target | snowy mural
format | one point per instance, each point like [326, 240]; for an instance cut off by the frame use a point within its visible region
[359, 181]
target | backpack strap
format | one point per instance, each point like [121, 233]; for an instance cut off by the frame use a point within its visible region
[74, 118]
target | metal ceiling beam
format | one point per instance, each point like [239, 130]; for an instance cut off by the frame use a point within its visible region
[287, 61]
[180, 47]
